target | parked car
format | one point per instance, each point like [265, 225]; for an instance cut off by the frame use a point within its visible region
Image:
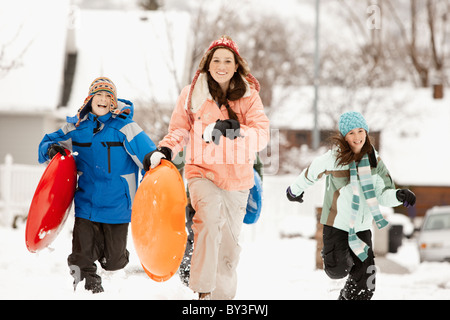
[434, 235]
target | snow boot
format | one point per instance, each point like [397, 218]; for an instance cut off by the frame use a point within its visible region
[352, 291]
[94, 284]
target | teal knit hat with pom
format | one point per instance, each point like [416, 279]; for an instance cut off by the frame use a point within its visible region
[352, 120]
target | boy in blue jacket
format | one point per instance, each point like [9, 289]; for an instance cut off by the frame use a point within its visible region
[111, 148]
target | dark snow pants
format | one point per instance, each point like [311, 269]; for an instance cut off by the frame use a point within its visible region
[340, 261]
[94, 241]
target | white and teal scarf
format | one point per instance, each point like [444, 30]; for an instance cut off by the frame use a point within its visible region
[359, 247]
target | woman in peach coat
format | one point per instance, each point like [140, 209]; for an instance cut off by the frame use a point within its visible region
[220, 119]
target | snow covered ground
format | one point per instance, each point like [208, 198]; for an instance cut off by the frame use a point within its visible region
[269, 270]
[271, 267]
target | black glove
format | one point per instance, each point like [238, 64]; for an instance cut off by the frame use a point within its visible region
[407, 197]
[292, 197]
[147, 163]
[54, 149]
[228, 128]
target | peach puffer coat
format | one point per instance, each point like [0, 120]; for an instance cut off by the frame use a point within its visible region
[230, 163]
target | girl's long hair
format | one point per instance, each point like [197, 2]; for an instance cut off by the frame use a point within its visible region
[345, 155]
[235, 91]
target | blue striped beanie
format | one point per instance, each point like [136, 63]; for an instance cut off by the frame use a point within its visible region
[352, 120]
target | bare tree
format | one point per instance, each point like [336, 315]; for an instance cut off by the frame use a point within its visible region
[437, 12]
[272, 50]
[354, 76]
[151, 114]
[6, 63]
[153, 117]
[411, 40]
[208, 26]
[377, 53]
[428, 55]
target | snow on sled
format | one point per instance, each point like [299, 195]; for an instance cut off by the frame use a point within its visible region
[158, 223]
[51, 202]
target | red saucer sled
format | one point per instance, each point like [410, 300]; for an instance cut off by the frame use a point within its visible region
[158, 221]
[51, 202]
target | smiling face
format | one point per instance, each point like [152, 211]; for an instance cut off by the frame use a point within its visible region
[101, 103]
[356, 139]
[222, 67]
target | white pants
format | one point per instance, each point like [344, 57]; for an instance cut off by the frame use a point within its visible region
[217, 223]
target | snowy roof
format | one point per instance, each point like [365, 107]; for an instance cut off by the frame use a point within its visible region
[36, 40]
[144, 53]
[416, 150]
[293, 106]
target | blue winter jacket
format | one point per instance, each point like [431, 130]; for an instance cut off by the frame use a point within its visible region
[111, 149]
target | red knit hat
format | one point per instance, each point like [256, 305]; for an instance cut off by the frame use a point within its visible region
[224, 42]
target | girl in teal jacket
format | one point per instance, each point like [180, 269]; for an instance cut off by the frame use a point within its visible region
[357, 181]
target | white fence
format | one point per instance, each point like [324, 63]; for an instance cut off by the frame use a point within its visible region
[17, 185]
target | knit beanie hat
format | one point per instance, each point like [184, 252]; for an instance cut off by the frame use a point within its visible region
[224, 42]
[99, 84]
[227, 42]
[352, 120]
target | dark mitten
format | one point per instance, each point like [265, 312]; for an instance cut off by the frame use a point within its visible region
[54, 149]
[228, 128]
[151, 162]
[292, 197]
[407, 197]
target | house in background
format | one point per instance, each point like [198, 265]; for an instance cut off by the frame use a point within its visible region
[293, 116]
[31, 91]
[143, 52]
[411, 130]
[57, 49]
[416, 150]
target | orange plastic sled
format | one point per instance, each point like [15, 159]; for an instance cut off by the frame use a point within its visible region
[158, 221]
[51, 202]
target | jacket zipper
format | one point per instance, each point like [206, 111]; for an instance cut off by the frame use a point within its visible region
[109, 145]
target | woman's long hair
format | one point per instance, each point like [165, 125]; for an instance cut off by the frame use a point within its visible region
[345, 155]
[235, 91]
